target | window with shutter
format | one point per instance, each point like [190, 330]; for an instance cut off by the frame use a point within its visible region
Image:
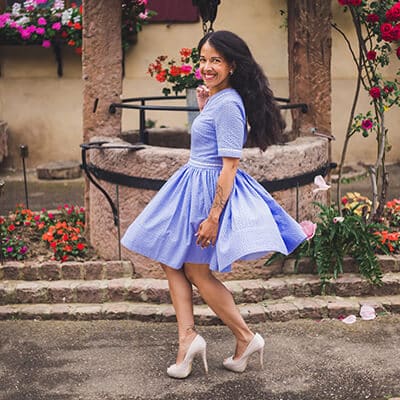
[173, 11]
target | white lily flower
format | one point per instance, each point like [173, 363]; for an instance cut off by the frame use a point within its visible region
[320, 182]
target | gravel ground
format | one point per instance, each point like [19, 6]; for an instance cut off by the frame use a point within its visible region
[121, 360]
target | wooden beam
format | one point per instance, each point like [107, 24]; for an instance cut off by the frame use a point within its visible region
[309, 46]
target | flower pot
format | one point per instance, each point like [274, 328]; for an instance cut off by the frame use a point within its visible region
[191, 101]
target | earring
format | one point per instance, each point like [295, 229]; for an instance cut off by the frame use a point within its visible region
[231, 72]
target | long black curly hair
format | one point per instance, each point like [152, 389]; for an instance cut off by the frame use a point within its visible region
[263, 114]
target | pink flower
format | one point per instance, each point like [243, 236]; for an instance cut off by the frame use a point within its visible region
[25, 34]
[308, 228]
[366, 124]
[3, 19]
[197, 74]
[186, 69]
[23, 250]
[320, 182]
[144, 15]
[41, 1]
[42, 21]
[46, 43]
[40, 31]
[56, 26]
[9, 249]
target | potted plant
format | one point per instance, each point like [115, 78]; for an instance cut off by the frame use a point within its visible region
[182, 76]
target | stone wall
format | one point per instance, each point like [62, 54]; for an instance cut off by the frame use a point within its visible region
[295, 158]
[3, 140]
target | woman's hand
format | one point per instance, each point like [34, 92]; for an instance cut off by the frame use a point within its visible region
[207, 232]
[202, 95]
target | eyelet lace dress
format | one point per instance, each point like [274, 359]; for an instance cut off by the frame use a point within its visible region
[252, 223]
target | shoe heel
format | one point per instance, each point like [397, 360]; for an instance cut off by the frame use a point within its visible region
[262, 358]
[204, 356]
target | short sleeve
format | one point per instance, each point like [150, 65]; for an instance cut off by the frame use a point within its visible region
[230, 126]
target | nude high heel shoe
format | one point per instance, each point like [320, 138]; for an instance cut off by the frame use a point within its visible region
[255, 346]
[182, 370]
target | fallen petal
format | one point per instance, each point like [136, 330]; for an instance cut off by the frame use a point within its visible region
[350, 319]
[367, 312]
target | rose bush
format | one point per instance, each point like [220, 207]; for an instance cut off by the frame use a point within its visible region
[377, 26]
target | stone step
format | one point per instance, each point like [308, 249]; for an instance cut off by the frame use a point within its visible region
[54, 270]
[285, 309]
[100, 269]
[304, 266]
[156, 290]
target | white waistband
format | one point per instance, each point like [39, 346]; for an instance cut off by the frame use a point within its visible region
[202, 164]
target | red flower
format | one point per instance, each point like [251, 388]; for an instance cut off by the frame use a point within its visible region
[393, 14]
[388, 89]
[77, 26]
[81, 9]
[71, 43]
[80, 246]
[64, 34]
[372, 18]
[11, 228]
[78, 50]
[73, 5]
[396, 33]
[64, 258]
[343, 2]
[366, 124]
[185, 52]
[53, 245]
[355, 2]
[175, 71]
[386, 31]
[375, 92]
[161, 76]
[344, 200]
[371, 55]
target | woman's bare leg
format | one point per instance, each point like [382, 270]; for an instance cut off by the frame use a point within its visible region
[181, 295]
[220, 300]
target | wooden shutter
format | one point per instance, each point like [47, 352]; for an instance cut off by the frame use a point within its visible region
[173, 11]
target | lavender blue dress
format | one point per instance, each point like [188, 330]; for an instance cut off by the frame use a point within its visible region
[252, 223]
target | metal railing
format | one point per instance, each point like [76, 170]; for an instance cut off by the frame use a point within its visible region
[143, 107]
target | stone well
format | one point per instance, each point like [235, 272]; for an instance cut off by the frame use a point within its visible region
[301, 156]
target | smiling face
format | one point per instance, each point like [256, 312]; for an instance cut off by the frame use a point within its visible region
[214, 69]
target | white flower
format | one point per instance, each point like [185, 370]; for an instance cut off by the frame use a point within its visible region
[77, 19]
[66, 16]
[16, 8]
[338, 219]
[320, 182]
[22, 21]
[58, 5]
[30, 3]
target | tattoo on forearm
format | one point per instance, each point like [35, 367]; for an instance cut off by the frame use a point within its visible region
[219, 201]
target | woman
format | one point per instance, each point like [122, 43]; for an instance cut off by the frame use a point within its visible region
[210, 213]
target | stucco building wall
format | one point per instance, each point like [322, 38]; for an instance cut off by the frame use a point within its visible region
[45, 111]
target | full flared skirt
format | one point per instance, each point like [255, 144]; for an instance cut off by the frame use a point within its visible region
[252, 224]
